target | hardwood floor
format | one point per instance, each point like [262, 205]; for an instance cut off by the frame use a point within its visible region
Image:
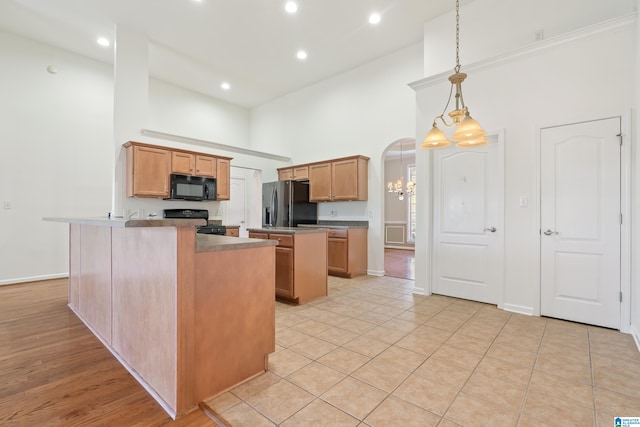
[399, 263]
[54, 372]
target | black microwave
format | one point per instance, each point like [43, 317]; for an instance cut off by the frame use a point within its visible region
[186, 187]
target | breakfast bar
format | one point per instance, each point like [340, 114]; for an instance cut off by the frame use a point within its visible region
[189, 315]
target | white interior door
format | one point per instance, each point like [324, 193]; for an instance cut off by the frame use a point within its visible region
[237, 212]
[467, 247]
[580, 222]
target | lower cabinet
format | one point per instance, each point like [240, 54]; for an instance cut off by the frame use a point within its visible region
[301, 265]
[232, 231]
[347, 250]
[284, 272]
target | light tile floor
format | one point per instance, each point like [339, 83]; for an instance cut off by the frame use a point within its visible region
[374, 354]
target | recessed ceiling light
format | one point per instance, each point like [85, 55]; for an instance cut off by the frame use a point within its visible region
[291, 7]
[302, 55]
[225, 86]
[374, 18]
[102, 41]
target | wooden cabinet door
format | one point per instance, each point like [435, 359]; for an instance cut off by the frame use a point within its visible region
[206, 166]
[320, 182]
[148, 171]
[301, 173]
[338, 255]
[284, 272]
[223, 181]
[182, 163]
[344, 176]
[285, 174]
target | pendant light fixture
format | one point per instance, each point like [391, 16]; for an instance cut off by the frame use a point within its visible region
[468, 131]
[398, 187]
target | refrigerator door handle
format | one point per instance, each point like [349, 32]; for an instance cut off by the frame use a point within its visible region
[274, 207]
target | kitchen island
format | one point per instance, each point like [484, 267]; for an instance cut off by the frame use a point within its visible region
[189, 315]
[301, 261]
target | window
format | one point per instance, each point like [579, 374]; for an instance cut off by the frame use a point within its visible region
[411, 232]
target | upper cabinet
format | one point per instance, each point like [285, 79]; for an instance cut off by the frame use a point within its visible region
[345, 179]
[149, 168]
[193, 164]
[223, 181]
[296, 173]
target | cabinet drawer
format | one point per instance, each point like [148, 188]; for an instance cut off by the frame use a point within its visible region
[337, 232]
[233, 232]
[283, 239]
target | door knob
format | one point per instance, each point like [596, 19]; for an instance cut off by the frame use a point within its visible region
[548, 232]
[492, 229]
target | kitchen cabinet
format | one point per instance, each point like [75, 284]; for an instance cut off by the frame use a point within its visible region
[284, 266]
[193, 164]
[339, 180]
[223, 181]
[347, 250]
[232, 231]
[148, 170]
[301, 264]
[296, 173]
[167, 304]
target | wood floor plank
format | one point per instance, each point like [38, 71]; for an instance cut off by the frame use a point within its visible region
[55, 372]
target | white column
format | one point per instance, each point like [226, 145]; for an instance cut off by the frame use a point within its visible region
[130, 102]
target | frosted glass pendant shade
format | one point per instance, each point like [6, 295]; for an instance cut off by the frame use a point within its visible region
[435, 139]
[468, 130]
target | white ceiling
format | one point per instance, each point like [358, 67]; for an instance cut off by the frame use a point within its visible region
[249, 43]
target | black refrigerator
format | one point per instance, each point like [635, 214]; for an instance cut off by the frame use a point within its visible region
[286, 204]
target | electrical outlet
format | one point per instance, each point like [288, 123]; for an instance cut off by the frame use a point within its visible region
[539, 35]
[6, 204]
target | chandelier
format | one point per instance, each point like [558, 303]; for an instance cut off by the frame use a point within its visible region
[468, 132]
[398, 187]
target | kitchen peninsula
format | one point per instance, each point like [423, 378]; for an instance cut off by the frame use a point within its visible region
[301, 261]
[189, 315]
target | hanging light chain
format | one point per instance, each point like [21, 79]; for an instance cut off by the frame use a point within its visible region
[457, 69]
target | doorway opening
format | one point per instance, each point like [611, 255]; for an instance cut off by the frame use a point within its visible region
[399, 209]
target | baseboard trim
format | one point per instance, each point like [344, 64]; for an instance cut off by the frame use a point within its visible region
[633, 330]
[33, 279]
[406, 248]
[378, 273]
[419, 290]
[520, 309]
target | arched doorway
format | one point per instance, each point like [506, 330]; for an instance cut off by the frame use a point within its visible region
[399, 209]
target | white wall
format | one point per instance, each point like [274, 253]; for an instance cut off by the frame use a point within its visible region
[179, 111]
[55, 158]
[358, 112]
[581, 78]
[491, 27]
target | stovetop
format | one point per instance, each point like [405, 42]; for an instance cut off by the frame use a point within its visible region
[216, 229]
[186, 213]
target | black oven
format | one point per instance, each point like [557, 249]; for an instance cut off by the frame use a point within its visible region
[186, 187]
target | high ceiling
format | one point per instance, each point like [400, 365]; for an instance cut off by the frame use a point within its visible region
[251, 44]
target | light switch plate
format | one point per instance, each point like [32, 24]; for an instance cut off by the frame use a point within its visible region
[6, 204]
[524, 202]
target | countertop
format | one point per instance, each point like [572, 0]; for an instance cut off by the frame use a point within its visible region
[338, 225]
[287, 230]
[122, 222]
